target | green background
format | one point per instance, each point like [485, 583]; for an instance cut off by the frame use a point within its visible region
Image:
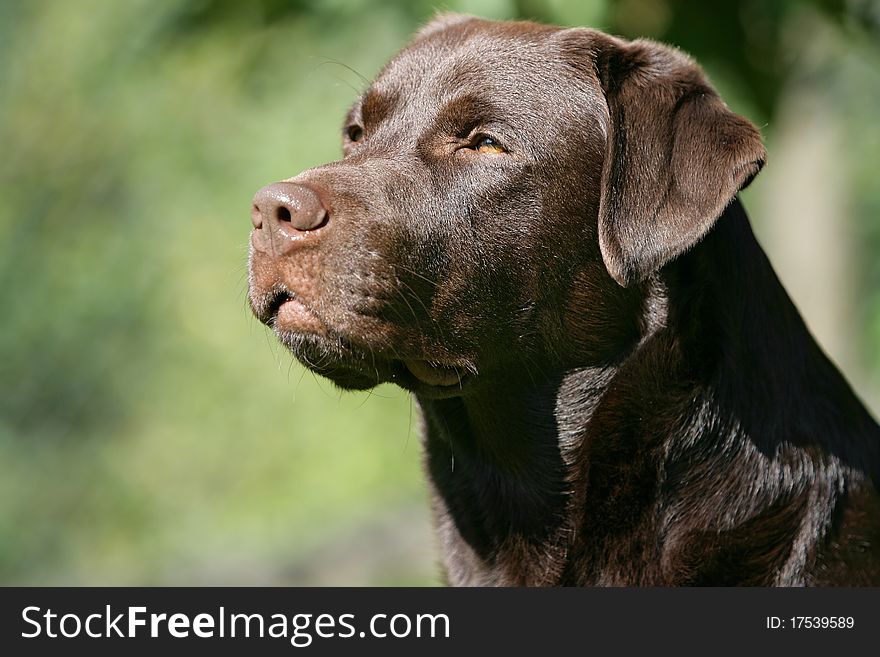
[151, 431]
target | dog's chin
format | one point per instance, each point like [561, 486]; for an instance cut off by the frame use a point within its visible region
[346, 379]
[348, 363]
[343, 366]
[351, 368]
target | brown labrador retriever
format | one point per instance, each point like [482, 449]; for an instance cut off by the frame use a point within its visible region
[536, 231]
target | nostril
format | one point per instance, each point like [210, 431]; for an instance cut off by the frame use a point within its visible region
[291, 207]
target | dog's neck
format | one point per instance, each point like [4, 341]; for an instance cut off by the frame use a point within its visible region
[539, 470]
[511, 438]
[499, 466]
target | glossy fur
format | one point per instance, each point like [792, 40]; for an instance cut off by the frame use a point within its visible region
[640, 402]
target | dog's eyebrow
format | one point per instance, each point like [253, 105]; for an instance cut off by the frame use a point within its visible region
[351, 116]
[463, 113]
[376, 105]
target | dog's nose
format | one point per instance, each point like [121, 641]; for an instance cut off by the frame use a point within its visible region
[288, 208]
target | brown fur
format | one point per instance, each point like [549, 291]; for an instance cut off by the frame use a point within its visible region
[615, 388]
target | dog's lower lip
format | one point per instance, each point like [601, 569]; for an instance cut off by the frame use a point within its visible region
[435, 374]
[293, 314]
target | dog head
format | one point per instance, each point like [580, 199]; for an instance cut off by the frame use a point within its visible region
[505, 189]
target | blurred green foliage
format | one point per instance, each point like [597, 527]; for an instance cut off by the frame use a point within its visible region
[150, 430]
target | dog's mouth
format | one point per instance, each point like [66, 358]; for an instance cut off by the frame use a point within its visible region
[282, 308]
[432, 379]
[435, 374]
[352, 365]
[274, 300]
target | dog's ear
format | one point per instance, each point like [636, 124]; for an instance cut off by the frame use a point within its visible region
[675, 155]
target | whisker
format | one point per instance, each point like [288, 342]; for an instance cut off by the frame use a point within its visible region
[416, 274]
[330, 60]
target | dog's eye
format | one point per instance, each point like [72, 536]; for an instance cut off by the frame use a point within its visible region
[485, 144]
[354, 133]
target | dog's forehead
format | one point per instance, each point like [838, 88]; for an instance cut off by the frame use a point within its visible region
[482, 47]
[521, 60]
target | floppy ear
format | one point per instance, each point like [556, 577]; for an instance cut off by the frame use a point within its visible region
[675, 155]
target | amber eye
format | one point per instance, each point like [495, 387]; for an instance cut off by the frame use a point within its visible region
[354, 133]
[487, 145]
